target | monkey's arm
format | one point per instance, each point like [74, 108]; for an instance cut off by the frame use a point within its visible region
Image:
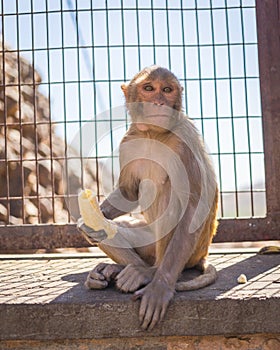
[124, 199]
[116, 205]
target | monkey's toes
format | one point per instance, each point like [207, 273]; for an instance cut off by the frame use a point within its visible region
[127, 287]
[92, 283]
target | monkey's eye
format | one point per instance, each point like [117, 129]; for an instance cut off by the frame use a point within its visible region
[167, 89]
[148, 88]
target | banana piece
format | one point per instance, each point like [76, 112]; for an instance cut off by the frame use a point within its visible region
[242, 279]
[271, 249]
[92, 215]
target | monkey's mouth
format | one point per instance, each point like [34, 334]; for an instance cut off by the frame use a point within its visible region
[151, 120]
[157, 115]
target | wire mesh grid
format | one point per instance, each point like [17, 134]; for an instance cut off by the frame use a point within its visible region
[62, 122]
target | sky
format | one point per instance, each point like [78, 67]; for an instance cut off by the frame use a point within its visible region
[79, 46]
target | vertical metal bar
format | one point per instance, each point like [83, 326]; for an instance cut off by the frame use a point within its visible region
[138, 33]
[123, 42]
[153, 32]
[268, 24]
[247, 113]
[199, 69]
[50, 112]
[34, 102]
[124, 57]
[64, 107]
[5, 114]
[216, 104]
[184, 53]
[19, 85]
[110, 90]
[232, 116]
[168, 34]
[94, 100]
[79, 95]
[219, 149]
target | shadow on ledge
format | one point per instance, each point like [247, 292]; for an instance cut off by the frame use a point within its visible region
[222, 308]
[253, 267]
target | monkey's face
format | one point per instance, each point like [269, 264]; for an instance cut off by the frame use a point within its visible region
[154, 99]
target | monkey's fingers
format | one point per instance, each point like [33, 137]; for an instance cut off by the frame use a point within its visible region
[144, 306]
[156, 317]
[269, 250]
[148, 314]
[90, 235]
[92, 214]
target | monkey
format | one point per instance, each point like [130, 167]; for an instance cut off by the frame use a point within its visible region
[166, 172]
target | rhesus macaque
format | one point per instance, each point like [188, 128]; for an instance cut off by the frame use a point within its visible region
[166, 171]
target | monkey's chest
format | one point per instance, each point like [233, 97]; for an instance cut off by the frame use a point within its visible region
[153, 187]
[146, 159]
[147, 170]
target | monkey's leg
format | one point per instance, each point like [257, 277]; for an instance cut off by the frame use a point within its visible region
[133, 249]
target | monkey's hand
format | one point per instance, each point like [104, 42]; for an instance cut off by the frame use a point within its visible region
[155, 298]
[92, 214]
[90, 235]
[132, 277]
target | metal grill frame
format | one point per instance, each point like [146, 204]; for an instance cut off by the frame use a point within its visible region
[268, 26]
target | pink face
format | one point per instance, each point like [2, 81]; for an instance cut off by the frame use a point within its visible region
[158, 99]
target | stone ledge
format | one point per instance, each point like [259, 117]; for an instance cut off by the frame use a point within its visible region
[218, 342]
[44, 299]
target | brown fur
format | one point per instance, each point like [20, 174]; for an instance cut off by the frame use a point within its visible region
[157, 266]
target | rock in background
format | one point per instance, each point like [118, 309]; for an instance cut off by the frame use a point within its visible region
[32, 156]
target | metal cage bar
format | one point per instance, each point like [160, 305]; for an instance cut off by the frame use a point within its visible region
[268, 19]
[233, 229]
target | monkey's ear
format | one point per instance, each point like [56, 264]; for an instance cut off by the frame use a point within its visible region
[124, 89]
[182, 89]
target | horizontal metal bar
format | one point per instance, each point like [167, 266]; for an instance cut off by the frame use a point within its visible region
[138, 8]
[248, 229]
[87, 81]
[29, 237]
[117, 46]
[43, 236]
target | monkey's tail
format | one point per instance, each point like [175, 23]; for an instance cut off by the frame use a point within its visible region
[208, 277]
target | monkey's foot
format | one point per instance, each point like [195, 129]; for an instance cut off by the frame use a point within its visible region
[133, 277]
[102, 274]
[92, 215]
